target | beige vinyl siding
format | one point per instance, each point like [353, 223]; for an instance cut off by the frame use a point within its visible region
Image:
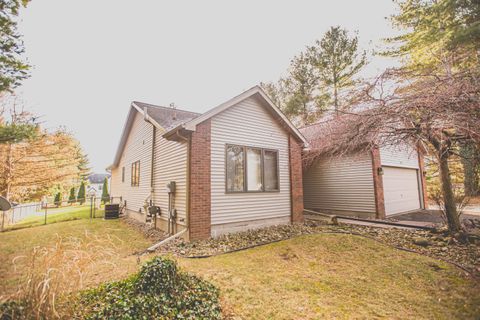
[340, 184]
[247, 123]
[399, 156]
[137, 147]
[170, 165]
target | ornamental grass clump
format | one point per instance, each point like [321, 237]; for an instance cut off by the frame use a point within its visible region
[158, 291]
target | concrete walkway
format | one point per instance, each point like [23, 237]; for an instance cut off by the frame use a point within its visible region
[372, 223]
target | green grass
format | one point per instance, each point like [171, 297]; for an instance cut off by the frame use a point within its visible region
[113, 237]
[337, 277]
[55, 215]
[309, 277]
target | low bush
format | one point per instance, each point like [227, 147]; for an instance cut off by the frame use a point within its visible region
[158, 291]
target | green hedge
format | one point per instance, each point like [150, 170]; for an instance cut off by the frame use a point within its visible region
[158, 291]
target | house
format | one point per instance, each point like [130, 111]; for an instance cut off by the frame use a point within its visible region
[235, 167]
[380, 183]
[95, 184]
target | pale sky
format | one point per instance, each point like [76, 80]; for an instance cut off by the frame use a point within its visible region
[92, 58]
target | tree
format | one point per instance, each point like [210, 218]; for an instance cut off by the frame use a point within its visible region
[441, 35]
[105, 195]
[298, 94]
[337, 60]
[71, 197]
[16, 124]
[81, 193]
[12, 69]
[58, 199]
[31, 168]
[440, 113]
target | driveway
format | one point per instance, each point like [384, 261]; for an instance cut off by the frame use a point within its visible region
[431, 216]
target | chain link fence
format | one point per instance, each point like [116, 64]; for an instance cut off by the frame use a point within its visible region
[32, 214]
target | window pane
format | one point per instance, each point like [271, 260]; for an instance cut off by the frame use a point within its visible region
[254, 169]
[137, 180]
[235, 168]
[271, 170]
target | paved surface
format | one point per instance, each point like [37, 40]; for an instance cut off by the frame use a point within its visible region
[428, 216]
[357, 222]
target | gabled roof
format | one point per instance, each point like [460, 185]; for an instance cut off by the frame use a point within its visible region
[98, 177]
[166, 117]
[173, 120]
[255, 91]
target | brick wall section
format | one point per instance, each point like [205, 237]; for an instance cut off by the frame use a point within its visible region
[378, 184]
[296, 184]
[423, 183]
[200, 194]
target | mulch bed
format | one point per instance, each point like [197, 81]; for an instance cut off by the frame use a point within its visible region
[435, 245]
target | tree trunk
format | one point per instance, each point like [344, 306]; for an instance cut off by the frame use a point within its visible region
[470, 161]
[447, 191]
[7, 184]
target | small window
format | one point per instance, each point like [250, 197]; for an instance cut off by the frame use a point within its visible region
[254, 169]
[135, 174]
[123, 174]
[251, 169]
[270, 164]
[235, 168]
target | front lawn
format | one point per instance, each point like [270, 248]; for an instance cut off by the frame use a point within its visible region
[337, 276]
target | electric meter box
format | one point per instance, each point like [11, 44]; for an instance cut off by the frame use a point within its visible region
[171, 187]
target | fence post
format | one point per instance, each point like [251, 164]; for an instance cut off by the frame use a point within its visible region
[46, 208]
[3, 220]
[94, 206]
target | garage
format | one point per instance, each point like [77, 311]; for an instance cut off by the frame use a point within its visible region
[401, 190]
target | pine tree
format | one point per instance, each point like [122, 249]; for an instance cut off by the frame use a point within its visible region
[71, 197]
[337, 60]
[58, 199]
[12, 69]
[105, 195]
[81, 193]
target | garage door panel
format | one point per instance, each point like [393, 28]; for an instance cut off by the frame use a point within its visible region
[401, 190]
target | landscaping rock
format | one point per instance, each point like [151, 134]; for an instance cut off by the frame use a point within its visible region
[421, 242]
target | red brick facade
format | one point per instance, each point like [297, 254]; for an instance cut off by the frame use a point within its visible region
[200, 189]
[423, 184]
[296, 184]
[378, 184]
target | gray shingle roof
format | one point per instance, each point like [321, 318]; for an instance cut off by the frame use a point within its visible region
[98, 177]
[167, 117]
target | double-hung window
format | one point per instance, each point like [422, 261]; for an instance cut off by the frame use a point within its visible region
[135, 174]
[250, 169]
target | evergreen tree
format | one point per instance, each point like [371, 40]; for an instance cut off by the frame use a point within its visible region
[58, 199]
[81, 193]
[440, 35]
[105, 195]
[12, 69]
[336, 59]
[71, 197]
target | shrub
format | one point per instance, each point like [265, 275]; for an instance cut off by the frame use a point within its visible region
[105, 195]
[58, 199]
[71, 197]
[81, 193]
[158, 291]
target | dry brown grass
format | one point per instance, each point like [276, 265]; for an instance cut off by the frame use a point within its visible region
[46, 276]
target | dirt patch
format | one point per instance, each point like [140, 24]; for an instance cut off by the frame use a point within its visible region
[155, 235]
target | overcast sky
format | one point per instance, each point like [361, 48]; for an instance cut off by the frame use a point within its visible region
[92, 58]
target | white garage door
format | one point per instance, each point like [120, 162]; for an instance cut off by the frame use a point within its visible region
[401, 190]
